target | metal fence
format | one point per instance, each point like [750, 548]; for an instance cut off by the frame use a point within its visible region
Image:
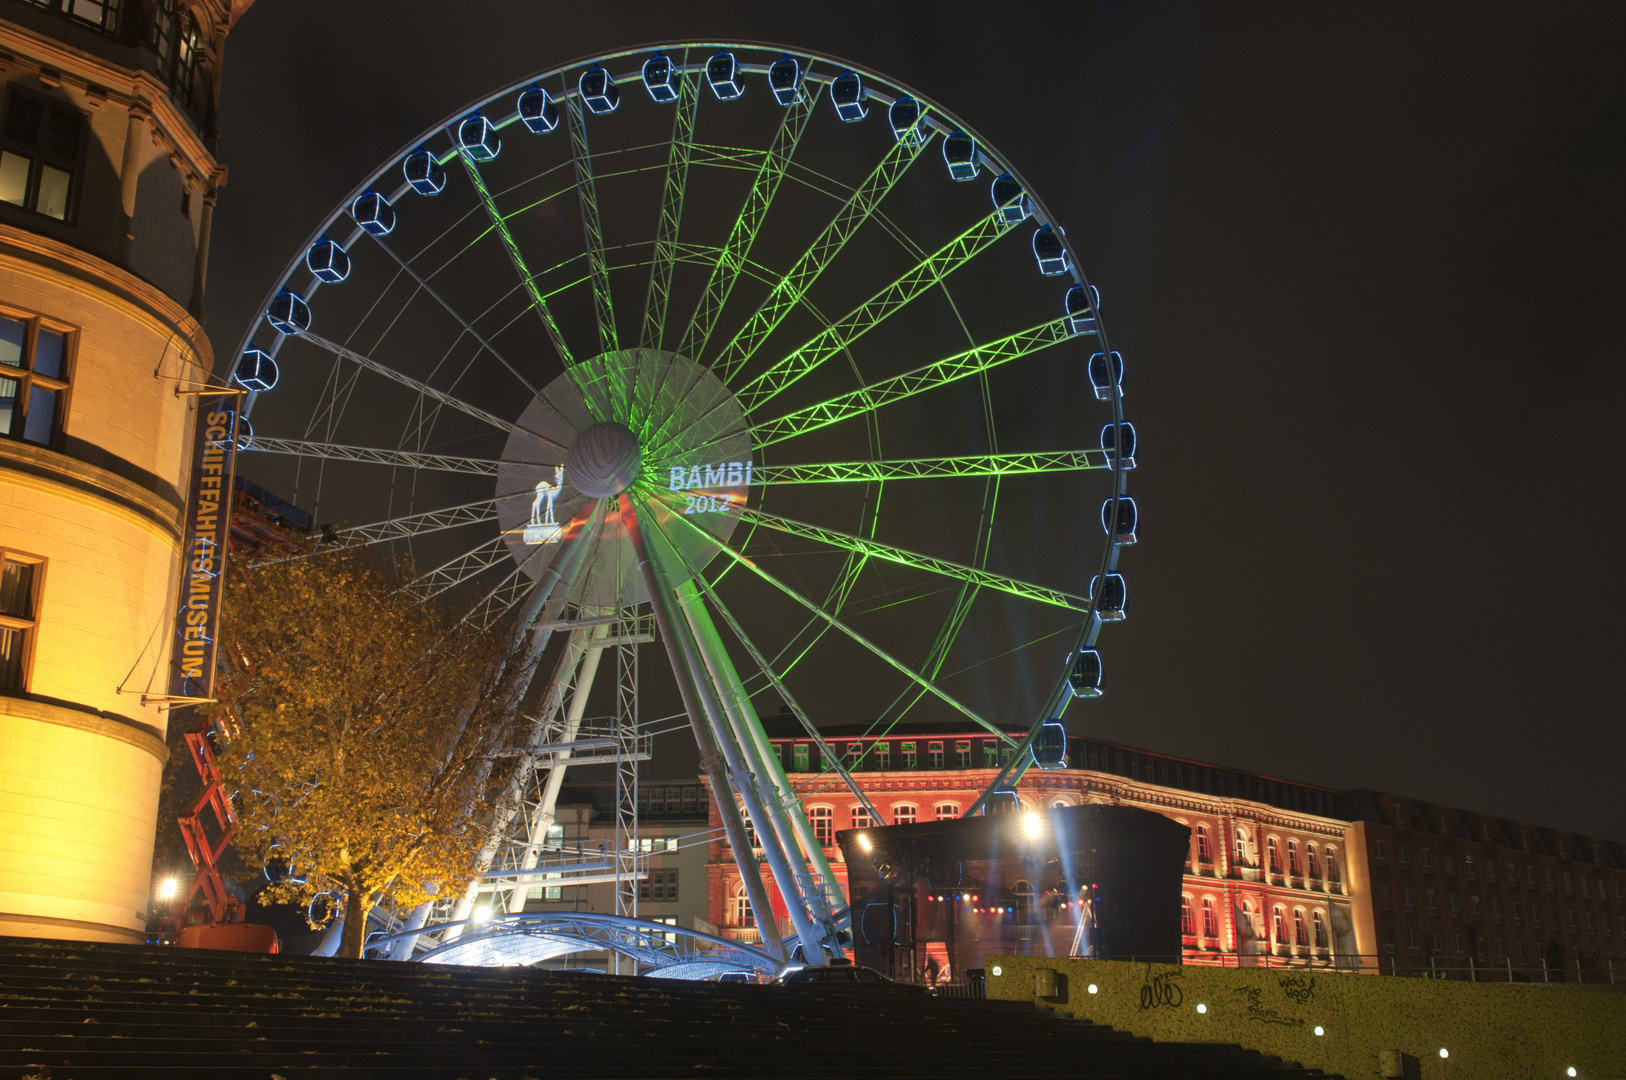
[1599, 971]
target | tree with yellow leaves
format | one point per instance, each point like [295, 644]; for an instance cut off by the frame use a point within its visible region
[371, 724]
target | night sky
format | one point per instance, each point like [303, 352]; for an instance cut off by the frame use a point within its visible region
[1366, 271]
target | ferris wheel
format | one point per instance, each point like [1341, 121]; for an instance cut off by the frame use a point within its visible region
[745, 349]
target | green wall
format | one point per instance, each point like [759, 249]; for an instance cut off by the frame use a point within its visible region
[1493, 1031]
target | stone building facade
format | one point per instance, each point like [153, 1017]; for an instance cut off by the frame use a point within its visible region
[1266, 870]
[107, 184]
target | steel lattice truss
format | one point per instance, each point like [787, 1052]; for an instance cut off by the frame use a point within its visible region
[844, 377]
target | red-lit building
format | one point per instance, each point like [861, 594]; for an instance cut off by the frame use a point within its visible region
[1266, 868]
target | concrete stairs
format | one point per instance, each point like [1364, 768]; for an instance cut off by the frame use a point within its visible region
[78, 1011]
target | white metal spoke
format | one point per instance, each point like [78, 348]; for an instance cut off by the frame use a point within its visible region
[914, 676]
[426, 390]
[470, 564]
[370, 455]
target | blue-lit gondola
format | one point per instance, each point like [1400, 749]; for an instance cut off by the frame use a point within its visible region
[661, 78]
[1050, 746]
[1125, 531]
[1085, 678]
[905, 116]
[245, 433]
[289, 313]
[1050, 251]
[785, 80]
[1110, 596]
[424, 173]
[1081, 305]
[1114, 434]
[1011, 203]
[538, 111]
[256, 370]
[960, 154]
[478, 138]
[327, 261]
[1104, 375]
[723, 73]
[373, 213]
[599, 92]
[847, 91]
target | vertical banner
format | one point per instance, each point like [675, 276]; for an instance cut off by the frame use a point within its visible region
[208, 517]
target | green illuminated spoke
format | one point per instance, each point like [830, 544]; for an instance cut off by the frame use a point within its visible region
[914, 676]
[794, 285]
[840, 472]
[970, 574]
[538, 304]
[867, 399]
[779, 686]
[403, 458]
[425, 389]
[587, 191]
[744, 233]
[666, 233]
[864, 318]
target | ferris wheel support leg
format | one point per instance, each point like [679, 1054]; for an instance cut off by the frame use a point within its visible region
[705, 716]
[773, 788]
[545, 605]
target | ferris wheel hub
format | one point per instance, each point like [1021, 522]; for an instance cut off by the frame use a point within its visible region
[604, 460]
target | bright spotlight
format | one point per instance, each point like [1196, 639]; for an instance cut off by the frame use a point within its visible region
[1031, 824]
[1571, 1071]
[1094, 989]
[863, 842]
[1444, 1052]
[998, 971]
[166, 891]
[1202, 1008]
[1319, 1030]
[482, 915]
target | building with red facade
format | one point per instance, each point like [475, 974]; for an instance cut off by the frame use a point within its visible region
[1277, 871]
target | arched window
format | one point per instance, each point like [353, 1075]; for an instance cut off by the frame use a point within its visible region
[750, 829]
[1275, 855]
[743, 915]
[1205, 854]
[1320, 931]
[1310, 858]
[1188, 925]
[946, 811]
[861, 817]
[1210, 918]
[1248, 919]
[904, 814]
[1059, 804]
[1299, 937]
[1332, 864]
[1278, 924]
[822, 818]
[1293, 857]
[1241, 846]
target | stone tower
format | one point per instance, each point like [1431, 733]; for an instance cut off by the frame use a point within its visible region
[107, 184]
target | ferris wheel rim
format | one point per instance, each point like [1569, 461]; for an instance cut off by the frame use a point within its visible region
[1090, 625]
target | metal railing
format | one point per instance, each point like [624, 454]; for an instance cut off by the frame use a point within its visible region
[1596, 972]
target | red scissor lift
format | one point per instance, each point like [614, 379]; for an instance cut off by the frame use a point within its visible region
[258, 530]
